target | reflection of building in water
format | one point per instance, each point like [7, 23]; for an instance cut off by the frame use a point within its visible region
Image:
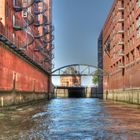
[70, 77]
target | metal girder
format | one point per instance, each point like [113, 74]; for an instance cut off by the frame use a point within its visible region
[78, 70]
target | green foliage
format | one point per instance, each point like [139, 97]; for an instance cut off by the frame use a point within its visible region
[95, 78]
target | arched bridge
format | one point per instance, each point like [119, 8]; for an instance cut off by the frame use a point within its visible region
[79, 70]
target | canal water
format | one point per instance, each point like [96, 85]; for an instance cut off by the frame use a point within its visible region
[72, 119]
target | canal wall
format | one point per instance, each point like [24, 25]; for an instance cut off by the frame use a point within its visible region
[123, 95]
[20, 81]
[61, 93]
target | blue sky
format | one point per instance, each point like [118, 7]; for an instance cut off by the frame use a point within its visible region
[78, 24]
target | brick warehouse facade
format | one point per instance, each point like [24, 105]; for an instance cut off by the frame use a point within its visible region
[25, 50]
[121, 52]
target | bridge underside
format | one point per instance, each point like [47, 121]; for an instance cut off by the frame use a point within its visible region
[76, 92]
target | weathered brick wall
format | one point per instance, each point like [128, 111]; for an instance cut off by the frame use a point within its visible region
[127, 95]
[27, 78]
[16, 74]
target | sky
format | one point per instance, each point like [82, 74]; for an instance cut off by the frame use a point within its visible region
[78, 24]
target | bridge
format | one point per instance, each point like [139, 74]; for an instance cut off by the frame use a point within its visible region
[80, 70]
[77, 70]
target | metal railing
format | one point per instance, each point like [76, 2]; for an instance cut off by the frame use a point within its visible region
[16, 44]
[23, 24]
[7, 36]
[19, 5]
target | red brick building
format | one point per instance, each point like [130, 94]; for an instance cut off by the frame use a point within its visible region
[121, 46]
[68, 78]
[69, 81]
[25, 49]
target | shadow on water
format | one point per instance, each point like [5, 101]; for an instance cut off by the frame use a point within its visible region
[71, 119]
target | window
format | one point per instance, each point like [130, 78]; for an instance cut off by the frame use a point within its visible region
[13, 20]
[138, 27]
[138, 21]
[24, 13]
[13, 37]
[7, 9]
[133, 41]
[130, 30]
[138, 51]
[132, 54]
[127, 58]
[133, 27]
[128, 43]
[138, 32]
[138, 3]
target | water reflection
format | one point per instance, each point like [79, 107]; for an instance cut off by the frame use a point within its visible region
[72, 119]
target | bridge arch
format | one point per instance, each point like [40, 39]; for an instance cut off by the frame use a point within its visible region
[79, 69]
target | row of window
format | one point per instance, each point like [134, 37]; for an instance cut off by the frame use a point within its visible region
[115, 33]
[116, 65]
[130, 17]
[130, 6]
[115, 16]
[131, 42]
[130, 57]
[131, 30]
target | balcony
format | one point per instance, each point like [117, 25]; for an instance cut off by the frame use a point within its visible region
[121, 20]
[121, 66]
[121, 42]
[49, 40]
[120, 9]
[121, 53]
[22, 24]
[121, 31]
[19, 5]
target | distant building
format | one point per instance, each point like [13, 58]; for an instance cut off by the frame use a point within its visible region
[70, 80]
[70, 77]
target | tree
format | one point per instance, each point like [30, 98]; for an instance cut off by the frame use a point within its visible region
[95, 78]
